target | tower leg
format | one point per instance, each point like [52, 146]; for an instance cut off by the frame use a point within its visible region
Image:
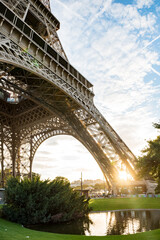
[30, 157]
[18, 163]
[114, 190]
[13, 155]
[26, 157]
[2, 156]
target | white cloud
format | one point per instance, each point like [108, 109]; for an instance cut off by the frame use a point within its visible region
[151, 42]
[68, 158]
[104, 8]
[142, 3]
[69, 10]
[135, 128]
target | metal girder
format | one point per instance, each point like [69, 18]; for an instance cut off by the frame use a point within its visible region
[46, 3]
[85, 135]
[23, 8]
[13, 55]
[108, 139]
[52, 98]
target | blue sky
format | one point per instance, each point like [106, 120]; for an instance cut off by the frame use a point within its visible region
[116, 46]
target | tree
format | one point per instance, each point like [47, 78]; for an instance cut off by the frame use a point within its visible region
[149, 163]
[35, 201]
[7, 173]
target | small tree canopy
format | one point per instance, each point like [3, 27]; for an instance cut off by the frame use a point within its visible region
[149, 163]
[35, 201]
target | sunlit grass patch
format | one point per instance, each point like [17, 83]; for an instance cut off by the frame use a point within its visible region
[124, 203]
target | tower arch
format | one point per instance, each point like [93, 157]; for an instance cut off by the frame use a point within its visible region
[41, 93]
[64, 155]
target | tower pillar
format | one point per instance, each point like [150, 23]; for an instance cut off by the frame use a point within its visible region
[2, 154]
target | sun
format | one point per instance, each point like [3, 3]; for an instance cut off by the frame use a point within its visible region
[123, 175]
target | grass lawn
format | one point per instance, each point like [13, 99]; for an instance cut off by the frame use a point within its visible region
[12, 231]
[124, 203]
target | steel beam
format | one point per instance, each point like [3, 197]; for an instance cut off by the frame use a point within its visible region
[48, 96]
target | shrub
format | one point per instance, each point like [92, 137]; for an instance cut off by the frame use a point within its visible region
[36, 201]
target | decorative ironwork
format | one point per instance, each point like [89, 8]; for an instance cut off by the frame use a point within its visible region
[43, 95]
[46, 3]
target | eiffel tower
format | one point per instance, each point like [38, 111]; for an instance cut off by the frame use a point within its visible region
[43, 95]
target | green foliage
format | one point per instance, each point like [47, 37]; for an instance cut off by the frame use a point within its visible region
[149, 163]
[0, 211]
[35, 201]
[7, 174]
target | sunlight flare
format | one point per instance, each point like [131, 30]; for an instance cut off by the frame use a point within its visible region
[123, 175]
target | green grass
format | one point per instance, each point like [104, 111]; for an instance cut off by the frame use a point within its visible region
[12, 231]
[124, 203]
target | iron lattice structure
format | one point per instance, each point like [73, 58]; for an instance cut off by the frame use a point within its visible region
[43, 95]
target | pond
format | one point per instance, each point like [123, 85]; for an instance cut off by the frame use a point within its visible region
[107, 223]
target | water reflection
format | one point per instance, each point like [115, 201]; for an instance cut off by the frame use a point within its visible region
[78, 227]
[108, 223]
[123, 222]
